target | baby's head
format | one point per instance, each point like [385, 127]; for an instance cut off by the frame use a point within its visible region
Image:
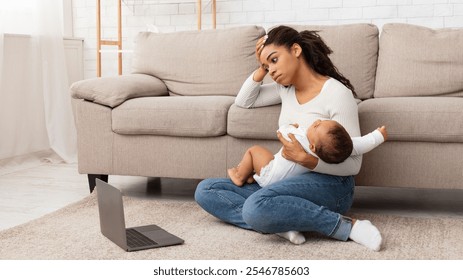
[329, 141]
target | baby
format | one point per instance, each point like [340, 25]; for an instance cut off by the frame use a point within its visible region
[325, 139]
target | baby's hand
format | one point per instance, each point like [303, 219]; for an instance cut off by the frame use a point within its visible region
[383, 131]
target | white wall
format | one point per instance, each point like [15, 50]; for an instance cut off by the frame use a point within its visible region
[67, 19]
[170, 16]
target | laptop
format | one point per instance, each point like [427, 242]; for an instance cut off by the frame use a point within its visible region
[112, 224]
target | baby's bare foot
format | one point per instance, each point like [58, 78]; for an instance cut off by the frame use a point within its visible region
[234, 176]
[250, 180]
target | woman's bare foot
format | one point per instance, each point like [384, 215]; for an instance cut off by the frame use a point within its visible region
[235, 177]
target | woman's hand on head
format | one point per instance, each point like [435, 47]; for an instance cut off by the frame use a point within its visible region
[259, 46]
[293, 151]
[261, 72]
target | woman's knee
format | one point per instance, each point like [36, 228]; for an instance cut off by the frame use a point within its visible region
[207, 189]
[254, 215]
[201, 192]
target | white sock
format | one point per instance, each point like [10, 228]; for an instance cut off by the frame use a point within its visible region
[294, 236]
[365, 233]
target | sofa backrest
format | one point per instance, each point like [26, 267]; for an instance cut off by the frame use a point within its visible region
[208, 62]
[419, 61]
[355, 52]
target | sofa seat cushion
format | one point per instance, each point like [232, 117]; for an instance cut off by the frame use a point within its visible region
[423, 119]
[199, 116]
[255, 123]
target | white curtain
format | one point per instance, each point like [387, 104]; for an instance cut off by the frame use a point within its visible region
[35, 106]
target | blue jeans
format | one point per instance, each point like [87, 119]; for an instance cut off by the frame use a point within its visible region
[309, 202]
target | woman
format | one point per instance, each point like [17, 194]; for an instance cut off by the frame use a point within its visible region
[309, 87]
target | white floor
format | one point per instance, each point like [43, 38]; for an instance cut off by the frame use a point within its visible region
[33, 186]
[37, 184]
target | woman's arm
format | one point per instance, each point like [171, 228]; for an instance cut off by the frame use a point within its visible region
[253, 94]
[293, 151]
[344, 110]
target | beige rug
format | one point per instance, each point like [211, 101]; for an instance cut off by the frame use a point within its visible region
[73, 233]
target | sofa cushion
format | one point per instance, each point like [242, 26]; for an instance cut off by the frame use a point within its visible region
[208, 62]
[201, 116]
[425, 119]
[355, 52]
[419, 61]
[255, 123]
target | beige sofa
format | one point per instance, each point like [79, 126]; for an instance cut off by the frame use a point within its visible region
[175, 117]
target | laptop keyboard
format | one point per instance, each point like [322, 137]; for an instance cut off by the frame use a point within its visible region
[136, 239]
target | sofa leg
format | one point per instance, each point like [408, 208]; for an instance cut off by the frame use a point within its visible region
[92, 180]
[154, 185]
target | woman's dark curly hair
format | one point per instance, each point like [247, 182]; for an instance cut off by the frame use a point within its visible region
[314, 50]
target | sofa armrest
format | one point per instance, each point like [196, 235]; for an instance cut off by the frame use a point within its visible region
[113, 91]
